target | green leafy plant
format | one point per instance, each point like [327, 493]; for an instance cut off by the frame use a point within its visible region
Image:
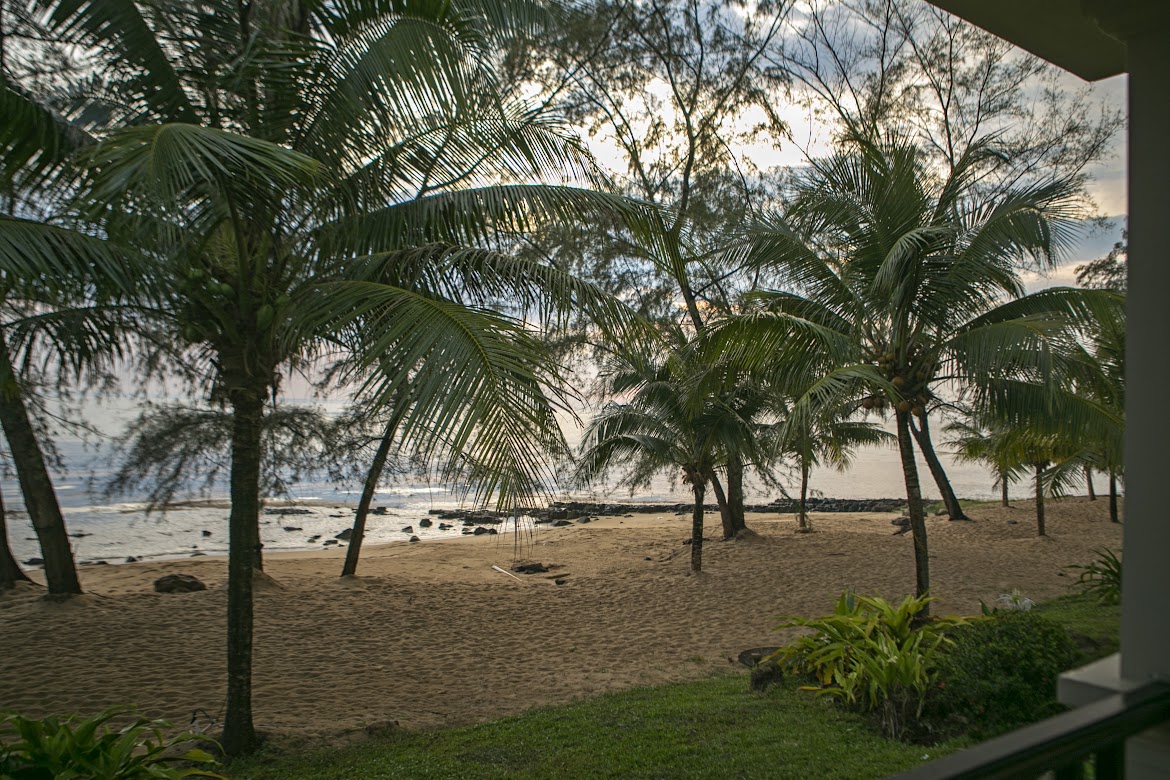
[1000, 673]
[872, 655]
[72, 748]
[1101, 579]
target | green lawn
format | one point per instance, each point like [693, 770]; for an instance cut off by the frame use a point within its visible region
[714, 728]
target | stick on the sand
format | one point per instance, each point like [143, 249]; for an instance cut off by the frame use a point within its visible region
[510, 574]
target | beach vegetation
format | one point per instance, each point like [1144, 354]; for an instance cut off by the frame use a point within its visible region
[113, 745]
[872, 655]
[1100, 579]
[999, 673]
[898, 282]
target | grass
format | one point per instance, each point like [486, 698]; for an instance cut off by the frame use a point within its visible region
[714, 728]
[1096, 627]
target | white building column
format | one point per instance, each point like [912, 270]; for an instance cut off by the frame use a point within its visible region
[1145, 603]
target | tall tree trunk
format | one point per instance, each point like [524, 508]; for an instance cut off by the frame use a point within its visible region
[724, 509]
[922, 436]
[914, 507]
[239, 734]
[371, 487]
[1114, 517]
[1089, 482]
[1040, 500]
[700, 490]
[39, 498]
[735, 493]
[802, 515]
[1003, 489]
[10, 571]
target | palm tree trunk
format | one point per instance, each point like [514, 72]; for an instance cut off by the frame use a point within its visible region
[926, 447]
[1003, 489]
[10, 571]
[1040, 500]
[735, 493]
[1114, 517]
[35, 485]
[724, 509]
[368, 490]
[1089, 483]
[700, 490]
[802, 516]
[914, 508]
[239, 734]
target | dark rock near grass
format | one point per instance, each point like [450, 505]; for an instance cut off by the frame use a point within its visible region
[178, 583]
[751, 658]
[480, 531]
[561, 523]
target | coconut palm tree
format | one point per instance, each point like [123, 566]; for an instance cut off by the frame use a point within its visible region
[672, 418]
[303, 177]
[825, 438]
[897, 283]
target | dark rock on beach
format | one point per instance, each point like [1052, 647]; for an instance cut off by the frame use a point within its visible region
[178, 583]
[560, 523]
[425, 523]
[530, 568]
[288, 510]
[479, 531]
[293, 528]
[408, 529]
[414, 539]
[344, 535]
[205, 533]
[35, 562]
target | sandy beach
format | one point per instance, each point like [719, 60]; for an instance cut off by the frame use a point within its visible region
[430, 635]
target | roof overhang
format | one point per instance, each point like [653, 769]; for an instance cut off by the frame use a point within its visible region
[1059, 31]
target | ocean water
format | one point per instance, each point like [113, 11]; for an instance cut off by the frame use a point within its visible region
[112, 531]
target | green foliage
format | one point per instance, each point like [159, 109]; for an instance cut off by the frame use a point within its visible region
[1000, 673]
[871, 654]
[72, 747]
[1101, 579]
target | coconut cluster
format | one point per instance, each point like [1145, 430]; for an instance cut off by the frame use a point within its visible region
[909, 377]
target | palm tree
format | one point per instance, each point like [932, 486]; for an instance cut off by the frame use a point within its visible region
[672, 420]
[899, 283]
[295, 171]
[58, 287]
[825, 438]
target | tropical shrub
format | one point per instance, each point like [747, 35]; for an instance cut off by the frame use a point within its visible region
[1000, 673]
[872, 655]
[1101, 579]
[73, 747]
